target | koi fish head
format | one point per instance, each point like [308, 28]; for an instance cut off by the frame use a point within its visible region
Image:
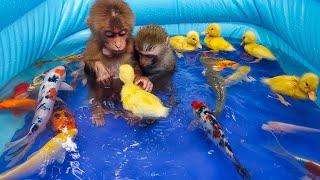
[62, 119]
[197, 105]
[60, 70]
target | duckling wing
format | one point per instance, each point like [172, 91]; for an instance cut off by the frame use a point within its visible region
[286, 85]
[178, 42]
[220, 43]
[145, 104]
[262, 52]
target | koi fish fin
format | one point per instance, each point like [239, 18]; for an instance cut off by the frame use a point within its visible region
[65, 87]
[306, 178]
[244, 173]
[61, 156]
[249, 79]
[217, 68]
[193, 124]
[43, 171]
[17, 149]
[17, 113]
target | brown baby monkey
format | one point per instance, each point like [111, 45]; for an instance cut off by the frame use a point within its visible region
[110, 45]
[155, 55]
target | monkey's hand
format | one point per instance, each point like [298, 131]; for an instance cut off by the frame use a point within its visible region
[144, 82]
[103, 74]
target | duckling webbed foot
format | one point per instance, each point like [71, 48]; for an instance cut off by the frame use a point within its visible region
[256, 61]
[282, 100]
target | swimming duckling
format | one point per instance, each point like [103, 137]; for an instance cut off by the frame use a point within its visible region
[188, 43]
[258, 51]
[304, 87]
[214, 41]
[140, 102]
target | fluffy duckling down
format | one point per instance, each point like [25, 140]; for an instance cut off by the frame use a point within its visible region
[188, 43]
[214, 41]
[140, 102]
[304, 87]
[258, 51]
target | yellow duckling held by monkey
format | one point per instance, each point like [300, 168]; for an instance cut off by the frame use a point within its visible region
[256, 50]
[188, 43]
[214, 41]
[304, 87]
[138, 101]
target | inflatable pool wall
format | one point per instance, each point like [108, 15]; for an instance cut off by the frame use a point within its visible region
[49, 28]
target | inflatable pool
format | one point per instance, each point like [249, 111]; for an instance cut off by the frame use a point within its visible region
[47, 29]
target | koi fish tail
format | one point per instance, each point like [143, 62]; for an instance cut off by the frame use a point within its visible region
[244, 173]
[16, 150]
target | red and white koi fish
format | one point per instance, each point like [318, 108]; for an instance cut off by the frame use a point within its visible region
[311, 168]
[207, 122]
[279, 127]
[53, 82]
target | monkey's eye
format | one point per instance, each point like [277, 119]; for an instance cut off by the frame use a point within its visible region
[109, 34]
[123, 33]
[150, 56]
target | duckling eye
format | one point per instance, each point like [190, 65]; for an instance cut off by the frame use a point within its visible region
[194, 39]
[307, 84]
[212, 29]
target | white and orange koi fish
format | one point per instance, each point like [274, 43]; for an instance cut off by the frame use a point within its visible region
[52, 151]
[207, 122]
[53, 82]
[279, 127]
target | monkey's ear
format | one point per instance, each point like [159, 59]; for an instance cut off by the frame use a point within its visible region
[89, 22]
[168, 41]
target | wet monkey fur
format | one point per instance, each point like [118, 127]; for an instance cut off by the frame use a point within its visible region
[110, 45]
[155, 55]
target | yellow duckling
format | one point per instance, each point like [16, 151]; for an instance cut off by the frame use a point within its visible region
[304, 87]
[254, 49]
[188, 43]
[140, 102]
[214, 41]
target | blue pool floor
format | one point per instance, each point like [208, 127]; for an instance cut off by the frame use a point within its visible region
[169, 150]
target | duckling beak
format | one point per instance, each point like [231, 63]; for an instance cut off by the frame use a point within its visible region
[199, 46]
[312, 95]
[204, 33]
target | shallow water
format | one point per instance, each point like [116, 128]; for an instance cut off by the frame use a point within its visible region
[168, 149]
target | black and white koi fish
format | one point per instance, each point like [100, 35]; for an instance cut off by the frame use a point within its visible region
[207, 122]
[53, 82]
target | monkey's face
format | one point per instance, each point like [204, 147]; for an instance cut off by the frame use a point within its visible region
[149, 56]
[115, 40]
[111, 22]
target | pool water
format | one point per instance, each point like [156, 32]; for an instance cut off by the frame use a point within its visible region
[169, 150]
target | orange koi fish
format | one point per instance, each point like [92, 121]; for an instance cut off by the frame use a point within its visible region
[21, 91]
[18, 105]
[62, 120]
[222, 64]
